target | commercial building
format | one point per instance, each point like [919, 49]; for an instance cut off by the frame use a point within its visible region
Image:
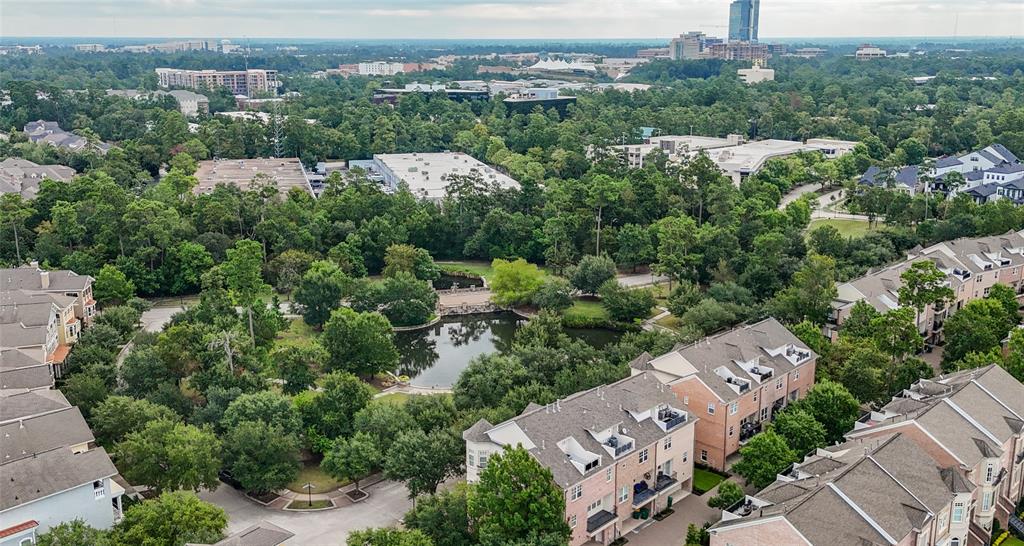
[380, 68]
[807, 52]
[973, 422]
[738, 51]
[654, 53]
[886, 489]
[743, 20]
[90, 48]
[613, 450]
[735, 382]
[756, 74]
[239, 82]
[427, 175]
[390, 95]
[868, 52]
[189, 104]
[689, 46]
[51, 470]
[282, 173]
[971, 266]
[49, 132]
[23, 177]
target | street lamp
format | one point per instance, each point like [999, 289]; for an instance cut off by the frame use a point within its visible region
[309, 491]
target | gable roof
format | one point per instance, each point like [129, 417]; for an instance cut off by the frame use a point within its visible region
[43, 474]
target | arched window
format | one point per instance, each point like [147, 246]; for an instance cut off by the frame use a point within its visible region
[955, 541]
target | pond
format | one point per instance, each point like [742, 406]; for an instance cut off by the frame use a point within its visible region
[435, 356]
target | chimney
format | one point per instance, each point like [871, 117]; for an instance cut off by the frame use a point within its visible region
[44, 279]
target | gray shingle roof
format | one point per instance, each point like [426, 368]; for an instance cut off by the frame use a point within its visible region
[947, 161]
[263, 533]
[49, 472]
[1005, 153]
[21, 404]
[28, 278]
[23, 438]
[11, 359]
[34, 377]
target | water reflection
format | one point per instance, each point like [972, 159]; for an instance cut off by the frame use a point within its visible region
[434, 357]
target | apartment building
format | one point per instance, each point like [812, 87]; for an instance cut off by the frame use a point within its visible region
[735, 382]
[25, 368]
[380, 68]
[972, 267]
[239, 82]
[971, 421]
[876, 491]
[38, 323]
[51, 470]
[30, 278]
[23, 177]
[614, 450]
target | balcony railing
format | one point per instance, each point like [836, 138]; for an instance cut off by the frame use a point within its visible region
[600, 519]
[665, 481]
[642, 496]
[671, 419]
[623, 447]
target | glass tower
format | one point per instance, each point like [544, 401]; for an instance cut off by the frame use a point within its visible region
[743, 15]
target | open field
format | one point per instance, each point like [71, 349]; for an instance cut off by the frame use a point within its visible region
[847, 228]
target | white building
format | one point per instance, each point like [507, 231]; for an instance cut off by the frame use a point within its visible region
[756, 74]
[90, 48]
[380, 68]
[427, 174]
[866, 52]
[49, 471]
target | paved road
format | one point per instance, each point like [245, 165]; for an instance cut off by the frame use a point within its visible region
[641, 279]
[387, 503]
[797, 193]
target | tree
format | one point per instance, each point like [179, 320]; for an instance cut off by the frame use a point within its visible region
[383, 421]
[626, 305]
[73, 533]
[424, 460]
[923, 285]
[1006, 297]
[123, 318]
[729, 493]
[810, 295]
[554, 295]
[118, 416]
[443, 517]
[430, 412]
[412, 260]
[183, 270]
[86, 390]
[636, 247]
[244, 278]
[167, 455]
[298, 366]
[328, 413]
[388, 536]
[976, 328]
[592, 272]
[677, 238]
[802, 433]
[262, 457]
[684, 296]
[764, 456]
[287, 269]
[361, 343]
[402, 298]
[320, 291]
[514, 282]
[263, 406]
[112, 287]
[352, 458]
[172, 519]
[517, 499]
[833, 406]
[486, 381]
[1014, 360]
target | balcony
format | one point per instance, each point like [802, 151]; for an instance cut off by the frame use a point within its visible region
[664, 481]
[642, 494]
[748, 430]
[670, 418]
[743, 386]
[763, 374]
[599, 520]
[618, 445]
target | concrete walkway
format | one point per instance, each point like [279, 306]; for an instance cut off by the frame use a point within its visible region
[672, 530]
[640, 279]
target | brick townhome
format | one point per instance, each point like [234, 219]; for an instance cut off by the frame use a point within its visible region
[613, 450]
[973, 421]
[884, 490]
[972, 267]
[734, 381]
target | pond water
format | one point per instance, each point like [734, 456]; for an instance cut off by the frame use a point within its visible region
[445, 281]
[435, 356]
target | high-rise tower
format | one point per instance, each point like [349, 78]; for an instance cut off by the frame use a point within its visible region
[743, 16]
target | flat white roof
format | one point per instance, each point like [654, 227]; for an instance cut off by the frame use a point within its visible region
[427, 174]
[286, 173]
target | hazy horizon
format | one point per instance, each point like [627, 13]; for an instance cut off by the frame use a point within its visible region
[503, 19]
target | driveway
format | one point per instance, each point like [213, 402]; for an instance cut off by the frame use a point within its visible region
[388, 503]
[672, 530]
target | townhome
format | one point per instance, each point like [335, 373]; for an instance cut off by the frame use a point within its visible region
[972, 421]
[616, 451]
[31, 278]
[51, 470]
[25, 369]
[972, 267]
[25, 314]
[885, 490]
[734, 381]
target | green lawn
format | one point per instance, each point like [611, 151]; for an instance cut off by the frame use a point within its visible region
[704, 481]
[299, 504]
[297, 333]
[311, 473]
[846, 227]
[587, 308]
[482, 269]
[1013, 541]
[395, 397]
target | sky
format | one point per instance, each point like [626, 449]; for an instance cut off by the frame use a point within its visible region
[544, 19]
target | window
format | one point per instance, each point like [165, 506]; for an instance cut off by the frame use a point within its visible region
[572, 521]
[686, 400]
[686, 455]
[26, 541]
[470, 459]
[796, 374]
[755, 396]
[483, 460]
[778, 384]
[704, 455]
[643, 456]
[594, 506]
[732, 430]
[989, 472]
[958, 512]
[608, 474]
[711, 408]
[764, 413]
[955, 541]
[986, 502]
[733, 408]
[623, 493]
[98, 490]
[576, 492]
[668, 443]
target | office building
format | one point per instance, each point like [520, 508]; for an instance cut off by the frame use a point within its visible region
[427, 175]
[653, 53]
[738, 51]
[280, 173]
[239, 82]
[688, 46]
[380, 68]
[735, 382]
[756, 74]
[867, 52]
[614, 451]
[743, 16]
